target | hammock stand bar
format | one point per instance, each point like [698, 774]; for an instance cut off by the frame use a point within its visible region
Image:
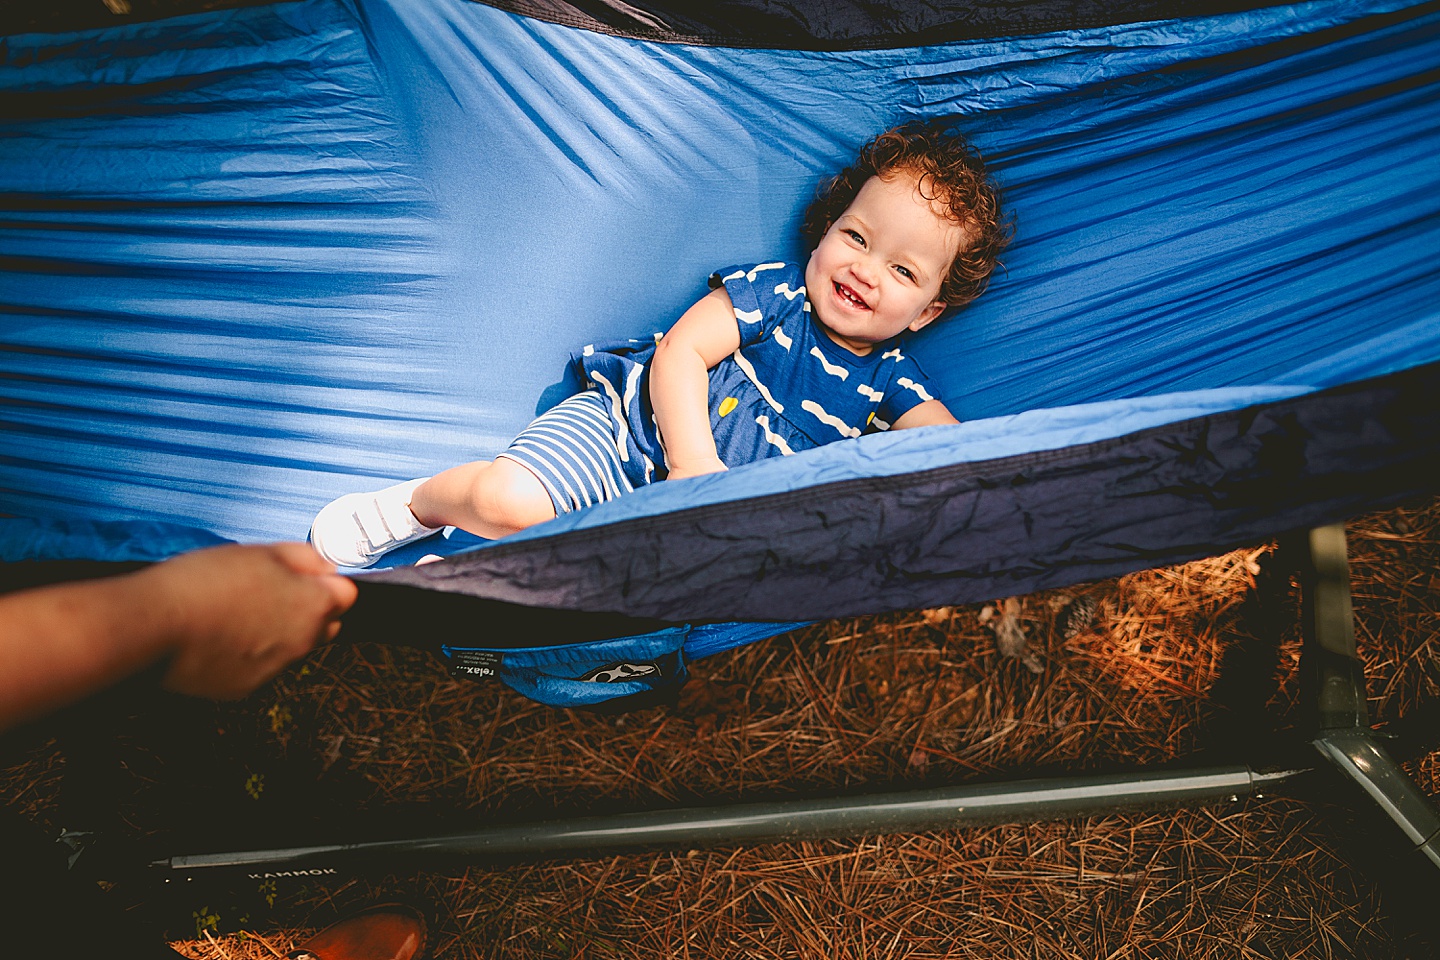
[869, 815]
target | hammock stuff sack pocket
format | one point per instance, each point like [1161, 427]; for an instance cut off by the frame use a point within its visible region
[639, 669]
[621, 673]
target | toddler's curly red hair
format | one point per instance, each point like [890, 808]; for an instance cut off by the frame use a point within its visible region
[952, 174]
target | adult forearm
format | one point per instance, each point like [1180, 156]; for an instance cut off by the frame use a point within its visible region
[61, 643]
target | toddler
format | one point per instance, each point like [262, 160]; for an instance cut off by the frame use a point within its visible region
[777, 358]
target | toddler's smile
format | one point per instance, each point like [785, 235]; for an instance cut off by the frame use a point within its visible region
[848, 295]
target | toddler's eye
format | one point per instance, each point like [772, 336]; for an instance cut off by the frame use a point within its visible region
[905, 272]
[853, 235]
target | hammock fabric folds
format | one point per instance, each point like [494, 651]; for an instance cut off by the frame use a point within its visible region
[254, 259]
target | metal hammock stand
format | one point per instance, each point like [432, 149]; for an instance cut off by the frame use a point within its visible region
[1340, 741]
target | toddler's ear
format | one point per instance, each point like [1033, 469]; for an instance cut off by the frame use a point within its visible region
[929, 313]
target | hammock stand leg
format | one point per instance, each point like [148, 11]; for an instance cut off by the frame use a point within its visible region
[1334, 687]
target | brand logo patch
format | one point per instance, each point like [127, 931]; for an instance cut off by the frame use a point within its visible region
[620, 672]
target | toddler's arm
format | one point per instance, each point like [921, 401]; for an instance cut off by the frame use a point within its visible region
[680, 384]
[931, 413]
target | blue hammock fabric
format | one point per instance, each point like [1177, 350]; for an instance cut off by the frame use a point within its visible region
[255, 259]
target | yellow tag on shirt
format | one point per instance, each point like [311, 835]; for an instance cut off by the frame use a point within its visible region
[727, 405]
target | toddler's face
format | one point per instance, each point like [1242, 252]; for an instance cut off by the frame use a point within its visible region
[878, 269]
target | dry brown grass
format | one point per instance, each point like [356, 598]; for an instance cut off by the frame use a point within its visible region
[879, 703]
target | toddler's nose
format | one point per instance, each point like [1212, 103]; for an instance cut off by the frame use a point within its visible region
[864, 271]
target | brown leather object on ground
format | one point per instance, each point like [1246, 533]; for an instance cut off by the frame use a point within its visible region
[387, 931]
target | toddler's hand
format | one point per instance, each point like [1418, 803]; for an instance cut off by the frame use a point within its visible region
[696, 468]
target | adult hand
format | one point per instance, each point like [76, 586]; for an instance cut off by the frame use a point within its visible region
[237, 615]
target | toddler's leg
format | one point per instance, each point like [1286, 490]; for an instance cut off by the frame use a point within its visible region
[490, 500]
[487, 499]
[572, 446]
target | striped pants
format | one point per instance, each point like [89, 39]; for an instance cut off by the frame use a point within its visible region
[573, 449]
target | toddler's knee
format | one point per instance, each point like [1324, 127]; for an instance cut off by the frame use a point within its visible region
[510, 498]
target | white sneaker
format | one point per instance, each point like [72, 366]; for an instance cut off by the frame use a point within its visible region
[359, 528]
